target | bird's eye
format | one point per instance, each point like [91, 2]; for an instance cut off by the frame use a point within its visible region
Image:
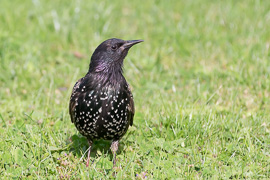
[114, 47]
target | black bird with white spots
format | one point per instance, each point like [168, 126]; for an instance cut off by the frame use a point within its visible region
[101, 104]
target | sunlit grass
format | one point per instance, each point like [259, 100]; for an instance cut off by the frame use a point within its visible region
[200, 82]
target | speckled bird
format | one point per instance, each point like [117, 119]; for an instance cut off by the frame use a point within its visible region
[101, 104]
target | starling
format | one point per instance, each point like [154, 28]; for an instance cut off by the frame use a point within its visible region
[101, 104]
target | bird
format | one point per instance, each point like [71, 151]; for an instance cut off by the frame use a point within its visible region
[101, 103]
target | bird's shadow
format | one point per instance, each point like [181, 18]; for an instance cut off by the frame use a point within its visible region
[80, 145]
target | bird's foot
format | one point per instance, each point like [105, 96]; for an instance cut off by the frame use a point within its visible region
[115, 170]
[89, 152]
[114, 148]
[114, 162]
[87, 163]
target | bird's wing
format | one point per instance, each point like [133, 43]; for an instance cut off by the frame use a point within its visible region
[131, 107]
[72, 101]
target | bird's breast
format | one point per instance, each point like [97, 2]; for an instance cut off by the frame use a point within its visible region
[103, 112]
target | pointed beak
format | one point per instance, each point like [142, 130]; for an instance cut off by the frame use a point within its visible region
[130, 43]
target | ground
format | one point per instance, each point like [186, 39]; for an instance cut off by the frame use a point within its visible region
[200, 82]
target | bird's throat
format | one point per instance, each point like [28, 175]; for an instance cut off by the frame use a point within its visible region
[112, 75]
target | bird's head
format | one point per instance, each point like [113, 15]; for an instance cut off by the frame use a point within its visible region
[110, 54]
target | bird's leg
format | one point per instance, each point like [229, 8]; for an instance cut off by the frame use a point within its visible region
[114, 148]
[89, 151]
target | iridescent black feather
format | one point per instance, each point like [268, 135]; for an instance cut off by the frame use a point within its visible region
[101, 103]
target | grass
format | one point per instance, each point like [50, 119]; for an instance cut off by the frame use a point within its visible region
[200, 82]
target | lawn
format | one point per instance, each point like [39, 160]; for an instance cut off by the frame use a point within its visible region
[200, 82]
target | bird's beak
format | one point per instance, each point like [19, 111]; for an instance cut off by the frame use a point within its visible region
[130, 43]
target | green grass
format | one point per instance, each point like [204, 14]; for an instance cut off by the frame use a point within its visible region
[200, 81]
